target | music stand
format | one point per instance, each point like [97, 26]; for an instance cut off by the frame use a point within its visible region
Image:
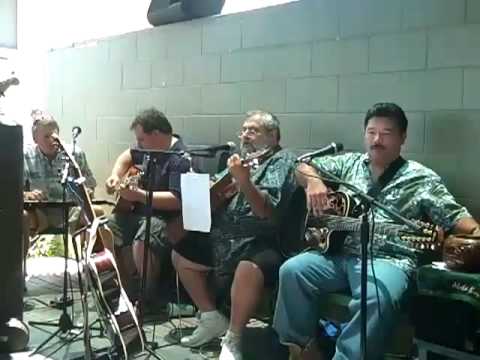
[151, 159]
[366, 203]
[64, 323]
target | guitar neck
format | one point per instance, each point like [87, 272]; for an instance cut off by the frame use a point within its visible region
[341, 223]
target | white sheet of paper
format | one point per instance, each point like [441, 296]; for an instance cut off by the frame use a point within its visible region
[196, 202]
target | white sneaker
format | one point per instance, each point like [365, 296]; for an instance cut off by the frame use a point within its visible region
[230, 347]
[212, 324]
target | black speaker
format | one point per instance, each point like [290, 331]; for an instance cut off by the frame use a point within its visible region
[11, 209]
[162, 12]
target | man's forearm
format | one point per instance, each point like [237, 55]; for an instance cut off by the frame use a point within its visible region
[306, 173]
[258, 200]
[122, 164]
[161, 200]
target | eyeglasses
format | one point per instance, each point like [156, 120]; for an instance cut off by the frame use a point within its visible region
[249, 130]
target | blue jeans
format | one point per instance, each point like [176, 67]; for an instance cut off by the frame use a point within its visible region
[306, 277]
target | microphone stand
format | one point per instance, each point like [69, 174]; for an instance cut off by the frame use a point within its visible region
[366, 202]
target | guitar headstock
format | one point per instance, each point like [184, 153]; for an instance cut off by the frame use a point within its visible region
[427, 238]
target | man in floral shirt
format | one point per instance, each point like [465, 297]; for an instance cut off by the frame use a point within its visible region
[415, 191]
[241, 248]
[43, 166]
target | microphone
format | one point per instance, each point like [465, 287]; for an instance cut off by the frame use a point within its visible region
[333, 148]
[76, 130]
[229, 146]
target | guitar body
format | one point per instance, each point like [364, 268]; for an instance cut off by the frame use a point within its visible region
[324, 239]
[113, 305]
[130, 179]
[327, 233]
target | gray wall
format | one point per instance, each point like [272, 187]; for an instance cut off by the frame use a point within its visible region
[317, 64]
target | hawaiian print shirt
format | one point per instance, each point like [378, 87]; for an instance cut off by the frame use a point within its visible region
[415, 191]
[43, 174]
[237, 230]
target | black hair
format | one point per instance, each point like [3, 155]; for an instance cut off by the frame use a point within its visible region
[152, 119]
[388, 110]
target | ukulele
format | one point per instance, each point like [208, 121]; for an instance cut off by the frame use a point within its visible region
[103, 278]
[4, 85]
[221, 192]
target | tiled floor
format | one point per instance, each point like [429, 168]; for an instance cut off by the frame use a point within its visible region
[45, 283]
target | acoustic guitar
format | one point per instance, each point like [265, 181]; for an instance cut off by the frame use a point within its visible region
[113, 305]
[130, 180]
[327, 232]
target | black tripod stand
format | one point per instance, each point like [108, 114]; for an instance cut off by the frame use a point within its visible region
[65, 323]
[366, 203]
[150, 162]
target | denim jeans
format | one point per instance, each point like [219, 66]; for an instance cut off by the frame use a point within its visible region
[306, 277]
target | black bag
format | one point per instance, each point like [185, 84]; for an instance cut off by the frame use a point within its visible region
[162, 12]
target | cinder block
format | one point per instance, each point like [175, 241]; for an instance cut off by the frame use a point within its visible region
[202, 130]
[123, 105]
[184, 40]
[428, 13]
[222, 34]
[183, 100]
[457, 46]
[123, 48]
[221, 99]
[440, 89]
[282, 24]
[137, 75]
[287, 62]
[152, 44]
[202, 70]
[327, 128]
[340, 57]
[242, 66]
[369, 17]
[473, 11]
[229, 127]
[268, 96]
[111, 129]
[167, 72]
[151, 98]
[398, 52]
[295, 130]
[471, 97]
[313, 94]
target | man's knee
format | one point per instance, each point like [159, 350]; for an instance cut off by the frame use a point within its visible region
[249, 271]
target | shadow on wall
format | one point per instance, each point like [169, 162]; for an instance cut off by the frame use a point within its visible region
[162, 12]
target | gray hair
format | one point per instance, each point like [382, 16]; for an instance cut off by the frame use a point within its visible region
[266, 119]
[43, 120]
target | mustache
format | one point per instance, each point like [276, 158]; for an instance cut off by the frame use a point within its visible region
[377, 146]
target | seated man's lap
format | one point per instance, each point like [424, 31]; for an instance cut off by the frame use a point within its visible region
[130, 227]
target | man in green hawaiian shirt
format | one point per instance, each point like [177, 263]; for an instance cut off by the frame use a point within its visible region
[43, 165]
[415, 191]
[241, 245]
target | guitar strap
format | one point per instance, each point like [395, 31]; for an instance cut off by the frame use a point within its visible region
[386, 177]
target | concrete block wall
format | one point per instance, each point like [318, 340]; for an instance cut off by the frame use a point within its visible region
[318, 64]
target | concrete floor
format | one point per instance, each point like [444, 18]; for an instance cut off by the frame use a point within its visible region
[45, 283]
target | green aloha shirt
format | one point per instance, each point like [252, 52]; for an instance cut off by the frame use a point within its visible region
[45, 175]
[237, 231]
[415, 191]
